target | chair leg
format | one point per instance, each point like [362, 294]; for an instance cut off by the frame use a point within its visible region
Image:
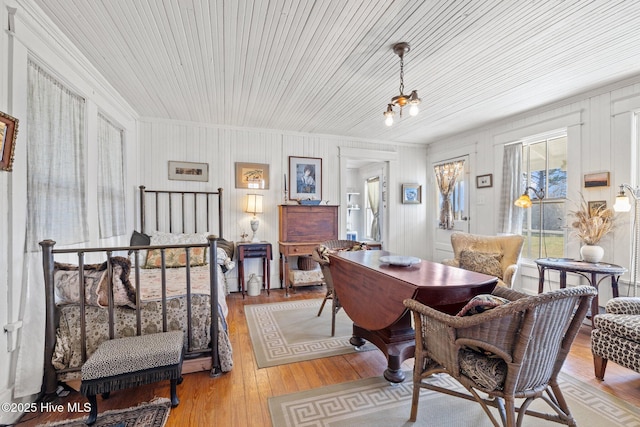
[510, 412]
[334, 309]
[599, 365]
[326, 297]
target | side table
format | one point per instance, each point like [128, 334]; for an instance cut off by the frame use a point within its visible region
[588, 270]
[255, 250]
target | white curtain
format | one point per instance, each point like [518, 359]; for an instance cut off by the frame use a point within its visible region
[510, 218]
[373, 194]
[55, 206]
[111, 207]
[446, 176]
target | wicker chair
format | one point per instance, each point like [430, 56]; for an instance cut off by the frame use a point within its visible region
[493, 255]
[616, 335]
[515, 350]
[320, 254]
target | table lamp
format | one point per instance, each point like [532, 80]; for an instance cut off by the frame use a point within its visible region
[254, 206]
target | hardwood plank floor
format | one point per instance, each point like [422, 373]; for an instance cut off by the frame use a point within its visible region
[239, 398]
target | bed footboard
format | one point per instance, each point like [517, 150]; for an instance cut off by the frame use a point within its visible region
[53, 313]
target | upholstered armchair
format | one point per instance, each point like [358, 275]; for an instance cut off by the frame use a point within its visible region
[493, 255]
[321, 255]
[501, 347]
[616, 335]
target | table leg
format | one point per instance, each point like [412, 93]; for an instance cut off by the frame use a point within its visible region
[540, 279]
[241, 274]
[267, 277]
[595, 305]
[265, 274]
[614, 285]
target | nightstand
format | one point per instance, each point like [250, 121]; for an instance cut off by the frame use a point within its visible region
[255, 250]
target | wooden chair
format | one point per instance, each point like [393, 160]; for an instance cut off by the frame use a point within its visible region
[514, 350]
[320, 254]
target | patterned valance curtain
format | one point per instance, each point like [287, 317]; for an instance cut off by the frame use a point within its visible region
[446, 176]
[511, 218]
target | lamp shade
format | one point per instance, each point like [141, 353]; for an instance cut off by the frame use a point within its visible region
[622, 203]
[523, 201]
[254, 203]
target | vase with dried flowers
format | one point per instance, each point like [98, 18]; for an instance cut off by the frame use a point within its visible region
[590, 225]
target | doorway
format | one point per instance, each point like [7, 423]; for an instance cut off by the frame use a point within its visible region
[357, 167]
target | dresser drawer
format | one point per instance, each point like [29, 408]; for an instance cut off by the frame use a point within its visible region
[293, 250]
[254, 251]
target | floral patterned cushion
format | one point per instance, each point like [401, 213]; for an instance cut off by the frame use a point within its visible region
[176, 257]
[67, 276]
[480, 304]
[484, 371]
[482, 262]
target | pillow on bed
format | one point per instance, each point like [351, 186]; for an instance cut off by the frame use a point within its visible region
[66, 277]
[227, 246]
[176, 257]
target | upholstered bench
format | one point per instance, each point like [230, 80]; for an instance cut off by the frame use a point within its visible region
[132, 361]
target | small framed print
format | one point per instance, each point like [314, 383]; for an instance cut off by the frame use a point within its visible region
[484, 181]
[596, 207]
[597, 179]
[188, 171]
[252, 175]
[411, 193]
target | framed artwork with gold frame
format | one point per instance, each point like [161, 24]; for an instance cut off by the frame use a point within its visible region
[8, 135]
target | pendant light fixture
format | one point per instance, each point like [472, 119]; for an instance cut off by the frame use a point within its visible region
[401, 100]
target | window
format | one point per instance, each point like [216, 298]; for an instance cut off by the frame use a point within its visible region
[544, 166]
[56, 172]
[452, 188]
[111, 197]
[372, 203]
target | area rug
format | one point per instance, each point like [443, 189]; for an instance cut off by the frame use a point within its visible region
[291, 331]
[152, 414]
[374, 402]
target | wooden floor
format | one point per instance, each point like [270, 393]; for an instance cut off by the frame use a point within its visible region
[239, 398]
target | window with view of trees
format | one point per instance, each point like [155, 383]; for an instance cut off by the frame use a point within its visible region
[545, 167]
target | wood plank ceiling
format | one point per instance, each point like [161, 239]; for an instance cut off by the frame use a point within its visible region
[327, 66]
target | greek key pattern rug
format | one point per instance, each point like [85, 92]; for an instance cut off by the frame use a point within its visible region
[373, 402]
[291, 331]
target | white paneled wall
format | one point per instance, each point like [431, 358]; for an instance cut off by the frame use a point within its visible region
[221, 147]
[601, 135]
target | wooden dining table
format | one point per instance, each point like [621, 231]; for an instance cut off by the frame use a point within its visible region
[372, 294]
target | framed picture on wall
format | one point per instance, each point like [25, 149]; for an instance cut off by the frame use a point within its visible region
[8, 134]
[188, 171]
[484, 181]
[411, 193]
[597, 179]
[252, 175]
[305, 178]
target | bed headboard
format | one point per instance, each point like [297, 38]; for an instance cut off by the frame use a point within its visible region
[180, 211]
